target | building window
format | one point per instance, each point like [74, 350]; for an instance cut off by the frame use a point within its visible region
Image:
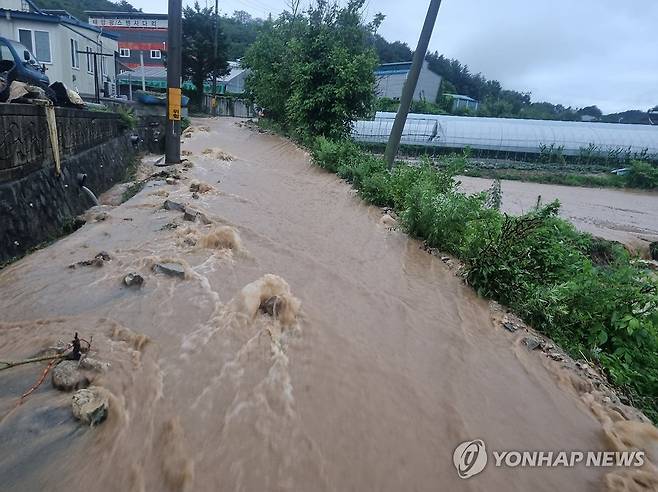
[42, 46]
[156, 54]
[25, 38]
[124, 52]
[90, 61]
[75, 56]
[38, 43]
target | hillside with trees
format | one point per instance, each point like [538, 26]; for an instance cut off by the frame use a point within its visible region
[77, 7]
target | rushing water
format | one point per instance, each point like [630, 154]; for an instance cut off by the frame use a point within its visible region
[381, 363]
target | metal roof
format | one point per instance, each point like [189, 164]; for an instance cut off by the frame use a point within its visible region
[511, 135]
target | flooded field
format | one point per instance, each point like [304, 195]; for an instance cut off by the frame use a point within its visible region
[627, 216]
[289, 340]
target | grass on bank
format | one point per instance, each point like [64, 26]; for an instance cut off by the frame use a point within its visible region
[584, 293]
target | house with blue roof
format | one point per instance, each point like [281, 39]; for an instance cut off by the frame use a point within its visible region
[390, 78]
[63, 44]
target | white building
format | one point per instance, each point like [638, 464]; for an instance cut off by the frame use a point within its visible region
[234, 81]
[55, 38]
[390, 79]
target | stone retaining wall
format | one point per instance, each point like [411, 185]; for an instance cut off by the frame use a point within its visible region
[35, 204]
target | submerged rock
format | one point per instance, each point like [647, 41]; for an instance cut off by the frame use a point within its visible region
[171, 269]
[90, 406]
[67, 376]
[171, 205]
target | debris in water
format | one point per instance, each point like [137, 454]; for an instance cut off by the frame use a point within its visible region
[170, 268]
[102, 216]
[90, 406]
[511, 327]
[133, 279]
[170, 226]
[68, 377]
[97, 261]
[170, 181]
[185, 152]
[200, 187]
[195, 195]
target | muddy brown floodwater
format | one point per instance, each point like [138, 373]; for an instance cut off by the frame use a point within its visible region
[379, 363]
[627, 216]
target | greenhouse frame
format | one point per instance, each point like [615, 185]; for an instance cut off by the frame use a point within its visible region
[514, 136]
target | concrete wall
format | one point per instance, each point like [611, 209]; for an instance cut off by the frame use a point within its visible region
[35, 203]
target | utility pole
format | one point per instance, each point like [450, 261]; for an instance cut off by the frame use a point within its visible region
[410, 84]
[214, 63]
[174, 69]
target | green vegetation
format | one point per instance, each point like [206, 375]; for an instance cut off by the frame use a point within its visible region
[312, 71]
[77, 7]
[198, 47]
[584, 293]
[642, 175]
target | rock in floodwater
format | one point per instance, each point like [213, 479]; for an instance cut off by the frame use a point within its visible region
[170, 181]
[90, 406]
[171, 205]
[653, 250]
[271, 306]
[190, 215]
[67, 376]
[532, 343]
[171, 269]
[133, 280]
[195, 195]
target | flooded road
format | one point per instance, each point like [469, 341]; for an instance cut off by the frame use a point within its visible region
[627, 216]
[380, 361]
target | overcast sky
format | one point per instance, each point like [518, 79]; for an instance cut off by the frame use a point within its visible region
[573, 52]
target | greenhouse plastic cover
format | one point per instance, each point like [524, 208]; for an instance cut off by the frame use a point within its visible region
[510, 135]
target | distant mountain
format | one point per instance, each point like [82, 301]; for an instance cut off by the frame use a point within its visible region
[77, 7]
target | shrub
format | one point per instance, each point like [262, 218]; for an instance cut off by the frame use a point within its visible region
[642, 175]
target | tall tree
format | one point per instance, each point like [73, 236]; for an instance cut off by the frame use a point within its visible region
[313, 71]
[198, 47]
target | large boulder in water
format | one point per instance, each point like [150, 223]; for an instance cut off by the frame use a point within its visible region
[90, 406]
[67, 376]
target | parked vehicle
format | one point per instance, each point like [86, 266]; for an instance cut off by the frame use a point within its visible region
[18, 63]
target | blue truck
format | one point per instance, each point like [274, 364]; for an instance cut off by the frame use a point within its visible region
[18, 63]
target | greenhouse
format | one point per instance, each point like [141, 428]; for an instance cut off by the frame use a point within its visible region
[515, 136]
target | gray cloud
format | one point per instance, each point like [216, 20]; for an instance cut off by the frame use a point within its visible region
[575, 53]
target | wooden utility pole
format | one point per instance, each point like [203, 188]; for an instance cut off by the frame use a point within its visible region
[174, 70]
[410, 84]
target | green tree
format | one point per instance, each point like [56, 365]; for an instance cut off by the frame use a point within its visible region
[198, 47]
[313, 71]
